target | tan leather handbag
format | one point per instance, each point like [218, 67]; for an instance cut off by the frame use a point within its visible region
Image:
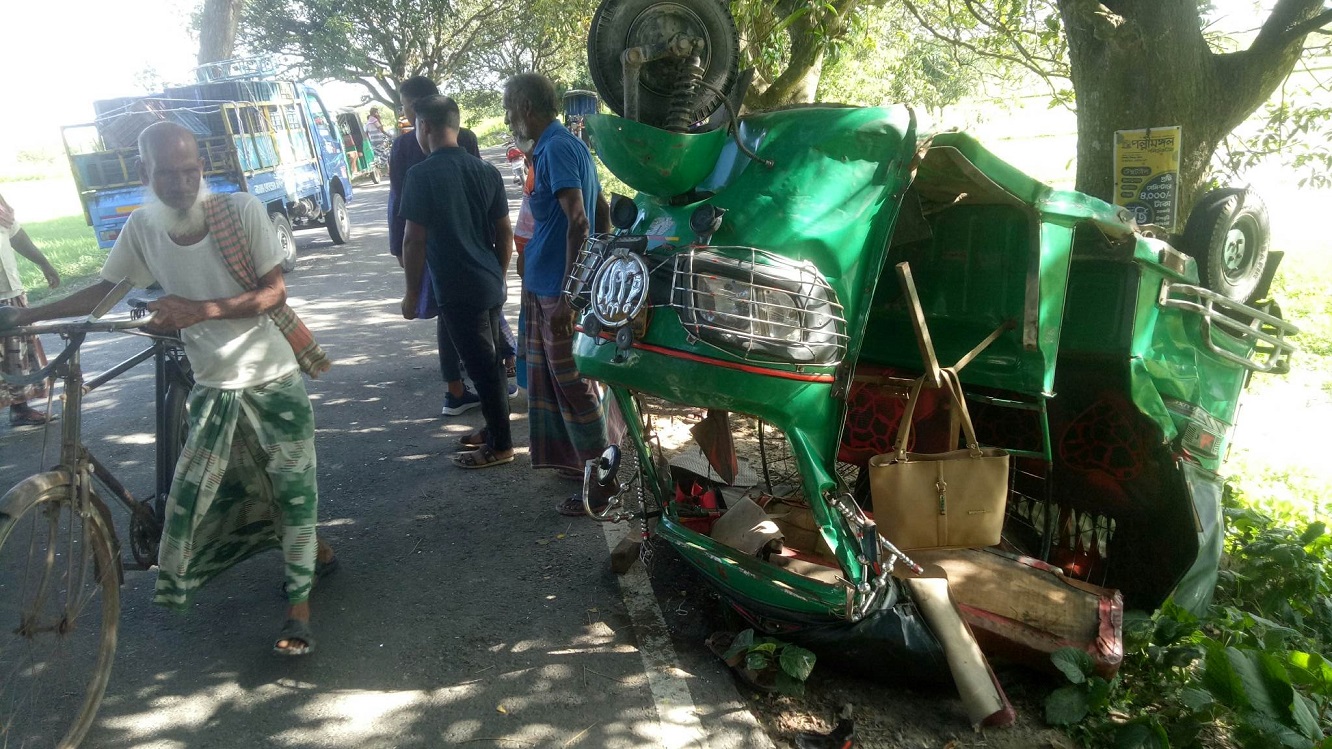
[940, 501]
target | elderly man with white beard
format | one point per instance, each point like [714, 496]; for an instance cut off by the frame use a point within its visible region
[245, 481]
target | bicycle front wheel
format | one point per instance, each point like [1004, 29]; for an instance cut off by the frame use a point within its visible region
[59, 611]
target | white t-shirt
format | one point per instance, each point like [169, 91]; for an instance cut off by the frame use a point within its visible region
[225, 354]
[10, 285]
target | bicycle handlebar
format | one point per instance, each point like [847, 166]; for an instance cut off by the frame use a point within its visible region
[76, 330]
[72, 327]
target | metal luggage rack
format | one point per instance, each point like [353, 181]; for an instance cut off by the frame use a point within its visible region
[1264, 334]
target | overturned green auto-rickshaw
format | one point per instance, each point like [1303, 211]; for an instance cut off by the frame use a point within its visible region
[786, 278]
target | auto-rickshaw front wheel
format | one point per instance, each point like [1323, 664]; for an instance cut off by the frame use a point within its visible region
[621, 25]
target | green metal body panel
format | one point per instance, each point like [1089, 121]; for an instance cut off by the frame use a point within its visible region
[830, 198]
[653, 161]
[988, 246]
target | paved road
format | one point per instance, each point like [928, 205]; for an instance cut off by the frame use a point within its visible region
[466, 611]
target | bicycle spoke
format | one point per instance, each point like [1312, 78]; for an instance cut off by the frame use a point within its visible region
[57, 622]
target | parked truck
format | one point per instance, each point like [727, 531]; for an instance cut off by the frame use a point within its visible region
[272, 138]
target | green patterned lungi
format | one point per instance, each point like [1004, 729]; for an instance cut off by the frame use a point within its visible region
[245, 483]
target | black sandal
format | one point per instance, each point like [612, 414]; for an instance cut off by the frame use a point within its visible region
[295, 631]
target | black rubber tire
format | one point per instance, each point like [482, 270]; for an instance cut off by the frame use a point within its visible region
[614, 30]
[339, 223]
[374, 175]
[68, 707]
[177, 418]
[1229, 235]
[287, 240]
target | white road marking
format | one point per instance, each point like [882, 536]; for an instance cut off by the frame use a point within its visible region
[680, 726]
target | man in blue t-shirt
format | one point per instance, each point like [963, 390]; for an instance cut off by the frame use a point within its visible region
[457, 218]
[564, 410]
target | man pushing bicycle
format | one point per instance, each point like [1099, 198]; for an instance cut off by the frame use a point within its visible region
[245, 481]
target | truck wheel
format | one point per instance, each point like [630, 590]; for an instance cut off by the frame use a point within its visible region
[1228, 234]
[339, 223]
[287, 240]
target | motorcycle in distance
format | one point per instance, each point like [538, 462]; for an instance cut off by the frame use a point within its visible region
[517, 162]
[796, 283]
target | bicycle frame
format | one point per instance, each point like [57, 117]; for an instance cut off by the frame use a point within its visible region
[75, 458]
[168, 366]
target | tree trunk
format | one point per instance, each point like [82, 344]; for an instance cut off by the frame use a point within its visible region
[809, 34]
[1144, 63]
[217, 30]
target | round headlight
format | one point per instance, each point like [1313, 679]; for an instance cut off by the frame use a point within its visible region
[619, 289]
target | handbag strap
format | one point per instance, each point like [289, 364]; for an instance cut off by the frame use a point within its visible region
[904, 425]
[954, 384]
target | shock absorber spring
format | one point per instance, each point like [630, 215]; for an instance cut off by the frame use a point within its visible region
[688, 76]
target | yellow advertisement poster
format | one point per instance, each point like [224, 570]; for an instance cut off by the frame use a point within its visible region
[1147, 174]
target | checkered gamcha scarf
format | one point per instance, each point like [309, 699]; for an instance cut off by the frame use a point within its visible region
[224, 224]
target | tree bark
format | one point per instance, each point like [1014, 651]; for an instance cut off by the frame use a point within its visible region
[217, 30]
[809, 36]
[1144, 63]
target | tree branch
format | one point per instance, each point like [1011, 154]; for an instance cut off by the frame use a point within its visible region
[974, 49]
[1313, 25]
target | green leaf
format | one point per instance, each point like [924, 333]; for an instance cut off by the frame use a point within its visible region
[757, 661]
[1304, 713]
[740, 645]
[1195, 700]
[1258, 731]
[1220, 678]
[1312, 533]
[1265, 682]
[765, 647]
[1098, 693]
[1313, 671]
[797, 662]
[1066, 705]
[1142, 733]
[788, 685]
[1075, 664]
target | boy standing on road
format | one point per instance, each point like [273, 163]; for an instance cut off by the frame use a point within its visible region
[406, 154]
[457, 218]
[20, 355]
[245, 481]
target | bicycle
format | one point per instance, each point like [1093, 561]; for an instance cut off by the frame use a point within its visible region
[60, 565]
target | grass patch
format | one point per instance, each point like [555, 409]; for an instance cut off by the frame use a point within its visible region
[70, 245]
[490, 131]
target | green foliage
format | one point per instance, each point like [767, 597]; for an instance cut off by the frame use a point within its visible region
[1248, 674]
[1293, 129]
[490, 131]
[376, 42]
[530, 36]
[70, 246]
[771, 662]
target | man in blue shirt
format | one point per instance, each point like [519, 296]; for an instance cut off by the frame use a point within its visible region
[457, 217]
[564, 410]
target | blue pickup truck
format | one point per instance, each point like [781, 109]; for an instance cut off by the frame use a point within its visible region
[274, 139]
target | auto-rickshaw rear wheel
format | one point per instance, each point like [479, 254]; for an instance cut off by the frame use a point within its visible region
[619, 25]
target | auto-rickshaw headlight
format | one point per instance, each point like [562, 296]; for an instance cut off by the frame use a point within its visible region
[760, 305]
